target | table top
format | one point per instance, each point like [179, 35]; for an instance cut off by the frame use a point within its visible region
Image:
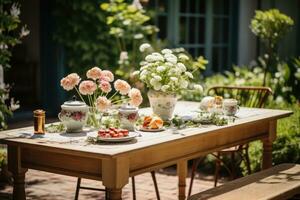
[77, 142]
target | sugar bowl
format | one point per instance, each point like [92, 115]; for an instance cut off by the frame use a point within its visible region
[128, 115]
[73, 115]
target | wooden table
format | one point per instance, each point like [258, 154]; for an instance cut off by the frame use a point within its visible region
[113, 164]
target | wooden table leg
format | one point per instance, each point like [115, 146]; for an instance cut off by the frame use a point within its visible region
[14, 166]
[267, 154]
[267, 145]
[182, 173]
[114, 194]
[115, 175]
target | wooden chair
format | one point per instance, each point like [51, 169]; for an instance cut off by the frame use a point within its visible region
[78, 187]
[254, 97]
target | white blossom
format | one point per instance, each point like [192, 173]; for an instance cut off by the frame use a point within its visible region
[24, 32]
[181, 66]
[14, 105]
[144, 47]
[172, 59]
[150, 58]
[158, 78]
[137, 4]
[198, 88]
[166, 51]
[138, 36]
[135, 73]
[174, 79]
[15, 10]
[183, 57]
[123, 56]
[184, 83]
[165, 88]
[161, 68]
[189, 74]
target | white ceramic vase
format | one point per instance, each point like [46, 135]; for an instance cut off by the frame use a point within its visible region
[162, 103]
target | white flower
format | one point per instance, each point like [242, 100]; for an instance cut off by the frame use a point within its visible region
[189, 74]
[183, 57]
[15, 10]
[174, 79]
[144, 73]
[127, 22]
[150, 58]
[166, 51]
[168, 64]
[158, 57]
[123, 56]
[158, 78]
[144, 47]
[198, 87]
[160, 68]
[135, 73]
[143, 77]
[3, 46]
[165, 88]
[24, 32]
[138, 36]
[14, 105]
[172, 59]
[157, 86]
[184, 83]
[172, 71]
[181, 66]
[137, 4]
[143, 63]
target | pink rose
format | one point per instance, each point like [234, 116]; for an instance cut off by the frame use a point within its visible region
[94, 73]
[105, 86]
[107, 76]
[70, 81]
[103, 103]
[135, 97]
[87, 87]
[122, 86]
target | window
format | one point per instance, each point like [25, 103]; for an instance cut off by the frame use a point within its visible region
[203, 27]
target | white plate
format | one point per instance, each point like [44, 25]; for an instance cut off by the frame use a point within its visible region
[130, 136]
[151, 130]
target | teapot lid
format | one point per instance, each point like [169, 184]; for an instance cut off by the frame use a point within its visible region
[74, 102]
[127, 107]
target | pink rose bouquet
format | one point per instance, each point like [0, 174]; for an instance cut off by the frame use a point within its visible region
[96, 90]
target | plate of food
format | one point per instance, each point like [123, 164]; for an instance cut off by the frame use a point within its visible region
[115, 135]
[152, 124]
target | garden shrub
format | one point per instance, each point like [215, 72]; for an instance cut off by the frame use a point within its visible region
[81, 30]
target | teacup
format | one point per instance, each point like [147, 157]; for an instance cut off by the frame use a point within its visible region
[230, 107]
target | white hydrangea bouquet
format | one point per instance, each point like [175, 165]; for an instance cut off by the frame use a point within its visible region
[166, 71]
[166, 74]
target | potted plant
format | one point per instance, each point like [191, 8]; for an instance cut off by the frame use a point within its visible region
[166, 74]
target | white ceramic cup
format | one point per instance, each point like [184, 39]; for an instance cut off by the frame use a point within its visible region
[230, 107]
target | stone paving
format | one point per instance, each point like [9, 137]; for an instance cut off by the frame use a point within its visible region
[48, 186]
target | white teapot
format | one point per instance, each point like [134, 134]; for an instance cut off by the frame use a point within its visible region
[73, 115]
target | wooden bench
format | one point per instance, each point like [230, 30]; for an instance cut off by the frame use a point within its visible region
[279, 182]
